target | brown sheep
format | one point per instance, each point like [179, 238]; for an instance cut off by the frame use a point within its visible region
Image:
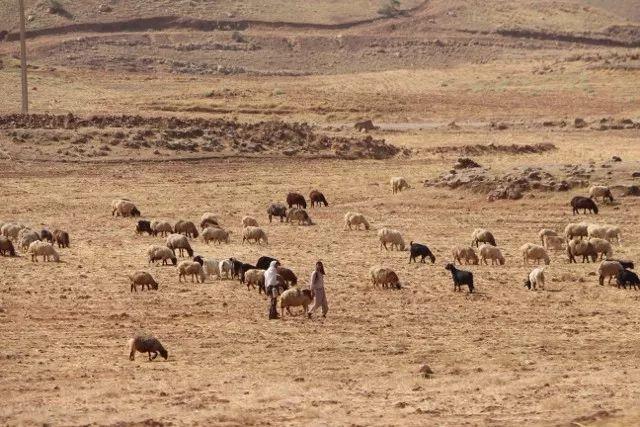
[187, 228]
[317, 198]
[143, 279]
[296, 199]
[61, 238]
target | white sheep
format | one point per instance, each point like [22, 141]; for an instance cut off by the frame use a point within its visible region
[161, 253]
[398, 184]
[10, 230]
[180, 242]
[217, 235]
[555, 243]
[466, 253]
[480, 235]
[249, 221]
[211, 266]
[192, 268]
[576, 230]
[355, 219]
[256, 234]
[161, 227]
[225, 268]
[44, 249]
[126, 208]
[252, 277]
[546, 232]
[393, 237]
[491, 252]
[595, 230]
[295, 297]
[26, 236]
[534, 252]
[608, 269]
[535, 279]
[602, 247]
[600, 191]
[613, 233]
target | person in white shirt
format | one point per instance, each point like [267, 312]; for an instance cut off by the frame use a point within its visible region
[271, 288]
[316, 285]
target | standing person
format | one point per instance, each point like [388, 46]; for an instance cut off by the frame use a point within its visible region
[316, 285]
[271, 288]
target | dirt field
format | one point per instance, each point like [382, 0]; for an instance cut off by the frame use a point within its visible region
[191, 117]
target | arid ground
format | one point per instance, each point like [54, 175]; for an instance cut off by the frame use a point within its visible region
[193, 107]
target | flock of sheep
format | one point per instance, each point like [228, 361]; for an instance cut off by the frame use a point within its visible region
[590, 241]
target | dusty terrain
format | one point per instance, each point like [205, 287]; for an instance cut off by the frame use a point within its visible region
[187, 107]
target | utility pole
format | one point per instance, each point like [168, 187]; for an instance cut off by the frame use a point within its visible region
[23, 59]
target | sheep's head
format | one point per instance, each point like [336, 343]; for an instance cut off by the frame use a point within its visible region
[595, 209]
[135, 212]
[174, 260]
[190, 251]
[198, 259]
[433, 258]
[164, 353]
[527, 284]
[501, 260]
[450, 267]
[154, 285]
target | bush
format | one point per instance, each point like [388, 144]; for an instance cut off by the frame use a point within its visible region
[390, 10]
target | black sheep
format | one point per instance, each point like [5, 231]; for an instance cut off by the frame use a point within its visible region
[144, 227]
[626, 277]
[264, 262]
[46, 235]
[584, 203]
[460, 277]
[418, 250]
[198, 259]
[625, 263]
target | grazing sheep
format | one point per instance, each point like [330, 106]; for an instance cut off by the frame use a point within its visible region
[388, 235]
[144, 226]
[126, 208]
[576, 230]
[465, 253]
[210, 266]
[581, 248]
[143, 279]
[491, 252]
[46, 235]
[535, 279]
[161, 253]
[595, 230]
[534, 252]
[480, 235]
[608, 269]
[217, 235]
[625, 263]
[295, 297]
[252, 277]
[61, 238]
[146, 344]
[250, 221]
[546, 232]
[555, 243]
[192, 268]
[384, 277]
[300, 215]
[114, 204]
[277, 209]
[44, 249]
[613, 233]
[418, 250]
[317, 198]
[187, 228]
[208, 219]
[162, 228]
[355, 219]
[288, 276]
[398, 184]
[26, 236]
[602, 247]
[180, 242]
[264, 262]
[225, 268]
[242, 268]
[626, 277]
[297, 200]
[11, 230]
[584, 203]
[6, 246]
[460, 277]
[600, 191]
[256, 234]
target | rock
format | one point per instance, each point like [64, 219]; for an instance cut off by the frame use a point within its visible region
[579, 123]
[633, 190]
[636, 175]
[466, 163]
[453, 125]
[616, 159]
[426, 371]
[104, 8]
[365, 126]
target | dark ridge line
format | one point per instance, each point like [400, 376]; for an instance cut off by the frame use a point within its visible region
[172, 21]
[570, 38]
